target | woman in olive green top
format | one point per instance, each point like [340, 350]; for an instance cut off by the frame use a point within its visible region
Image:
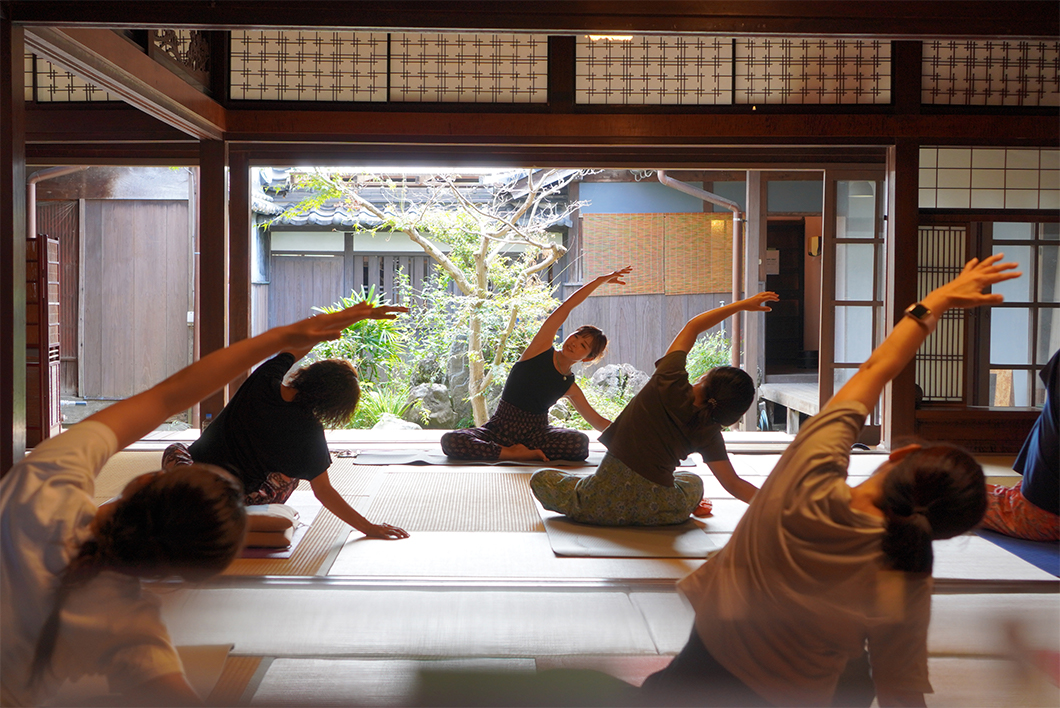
[636, 483]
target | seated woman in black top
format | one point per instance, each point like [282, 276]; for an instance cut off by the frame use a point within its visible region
[271, 434]
[519, 429]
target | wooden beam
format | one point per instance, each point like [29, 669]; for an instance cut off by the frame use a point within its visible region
[100, 123]
[12, 246]
[741, 126]
[115, 64]
[838, 18]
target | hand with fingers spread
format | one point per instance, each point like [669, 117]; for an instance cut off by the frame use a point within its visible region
[757, 303]
[616, 276]
[966, 290]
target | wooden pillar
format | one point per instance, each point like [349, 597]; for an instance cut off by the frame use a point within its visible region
[12, 244]
[903, 209]
[239, 252]
[903, 168]
[754, 238]
[213, 259]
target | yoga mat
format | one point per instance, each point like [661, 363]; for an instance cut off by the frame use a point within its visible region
[456, 501]
[569, 538]
[231, 687]
[203, 666]
[1041, 554]
[437, 457]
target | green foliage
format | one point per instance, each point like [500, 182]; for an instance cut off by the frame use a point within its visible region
[374, 346]
[710, 351]
[607, 406]
[379, 398]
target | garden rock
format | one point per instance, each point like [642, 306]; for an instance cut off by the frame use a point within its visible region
[560, 413]
[459, 376]
[434, 399]
[614, 380]
[389, 421]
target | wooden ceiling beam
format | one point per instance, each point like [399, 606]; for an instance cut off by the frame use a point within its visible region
[106, 59]
[836, 18]
[97, 123]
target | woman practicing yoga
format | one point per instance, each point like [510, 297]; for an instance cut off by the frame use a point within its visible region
[70, 572]
[635, 484]
[817, 570]
[519, 429]
[271, 434]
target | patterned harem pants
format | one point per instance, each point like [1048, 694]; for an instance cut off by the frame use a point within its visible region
[510, 426]
[615, 495]
[1009, 512]
[276, 489]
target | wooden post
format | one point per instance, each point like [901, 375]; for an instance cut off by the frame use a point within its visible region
[754, 237]
[213, 259]
[239, 249]
[12, 244]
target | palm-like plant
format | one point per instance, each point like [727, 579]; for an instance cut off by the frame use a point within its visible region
[372, 345]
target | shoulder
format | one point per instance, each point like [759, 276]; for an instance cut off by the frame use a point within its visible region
[672, 361]
[76, 456]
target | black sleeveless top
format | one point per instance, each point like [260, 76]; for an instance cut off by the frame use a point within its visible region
[534, 385]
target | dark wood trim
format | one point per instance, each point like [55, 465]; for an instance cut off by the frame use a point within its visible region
[98, 123]
[813, 17]
[680, 129]
[113, 63]
[12, 246]
[239, 245]
[212, 316]
[906, 77]
[903, 169]
[981, 429]
[561, 74]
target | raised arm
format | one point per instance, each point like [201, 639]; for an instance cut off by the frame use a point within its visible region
[964, 291]
[134, 417]
[545, 336]
[581, 404]
[686, 338]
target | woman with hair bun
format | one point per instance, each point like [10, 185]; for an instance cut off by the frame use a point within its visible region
[70, 597]
[519, 428]
[819, 572]
[636, 483]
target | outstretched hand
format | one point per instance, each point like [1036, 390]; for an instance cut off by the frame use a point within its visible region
[757, 303]
[616, 276]
[966, 290]
[308, 332]
[385, 531]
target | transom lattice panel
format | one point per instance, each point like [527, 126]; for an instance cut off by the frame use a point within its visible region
[47, 83]
[654, 70]
[940, 360]
[991, 73]
[812, 71]
[290, 65]
[468, 68]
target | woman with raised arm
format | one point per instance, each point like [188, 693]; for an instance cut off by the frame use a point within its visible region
[519, 429]
[636, 483]
[70, 596]
[818, 571]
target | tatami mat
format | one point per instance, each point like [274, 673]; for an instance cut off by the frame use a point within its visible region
[235, 678]
[969, 557]
[573, 540]
[121, 469]
[979, 624]
[433, 622]
[440, 499]
[367, 682]
[987, 683]
[483, 555]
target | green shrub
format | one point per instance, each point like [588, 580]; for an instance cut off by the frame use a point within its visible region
[709, 351]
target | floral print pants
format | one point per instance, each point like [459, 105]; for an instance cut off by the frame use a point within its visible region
[509, 426]
[276, 489]
[615, 495]
[1008, 512]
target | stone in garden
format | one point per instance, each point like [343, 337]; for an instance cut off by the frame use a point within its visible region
[433, 398]
[615, 380]
[389, 421]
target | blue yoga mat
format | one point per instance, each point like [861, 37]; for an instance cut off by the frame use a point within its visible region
[1041, 554]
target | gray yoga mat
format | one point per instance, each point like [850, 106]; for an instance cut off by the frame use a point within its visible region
[687, 540]
[437, 457]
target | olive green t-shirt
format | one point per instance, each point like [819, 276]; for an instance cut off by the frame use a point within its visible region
[660, 426]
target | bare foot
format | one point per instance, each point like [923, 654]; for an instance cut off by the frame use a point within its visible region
[522, 453]
[704, 508]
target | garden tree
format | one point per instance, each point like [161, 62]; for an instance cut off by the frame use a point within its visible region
[490, 238]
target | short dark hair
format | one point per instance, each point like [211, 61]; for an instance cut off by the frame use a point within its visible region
[598, 342]
[936, 492]
[329, 389]
[728, 392]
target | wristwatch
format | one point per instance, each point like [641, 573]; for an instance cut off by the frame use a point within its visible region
[919, 312]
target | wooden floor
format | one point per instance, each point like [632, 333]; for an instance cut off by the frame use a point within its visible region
[476, 588]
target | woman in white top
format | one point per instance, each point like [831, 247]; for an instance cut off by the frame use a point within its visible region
[818, 571]
[70, 597]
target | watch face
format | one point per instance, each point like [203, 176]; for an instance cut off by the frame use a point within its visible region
[918, 311]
